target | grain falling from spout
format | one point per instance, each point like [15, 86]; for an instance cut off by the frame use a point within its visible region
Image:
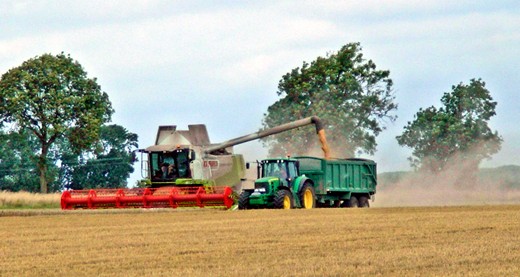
[324, 145]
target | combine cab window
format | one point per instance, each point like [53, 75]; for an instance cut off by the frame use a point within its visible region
[168, 166]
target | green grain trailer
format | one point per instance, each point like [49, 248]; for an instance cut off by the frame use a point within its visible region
[308, 182]
[341, 182]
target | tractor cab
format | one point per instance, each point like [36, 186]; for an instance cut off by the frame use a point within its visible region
[285, 169]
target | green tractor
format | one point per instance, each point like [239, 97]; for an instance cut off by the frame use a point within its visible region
[280, 186]
[308, 182]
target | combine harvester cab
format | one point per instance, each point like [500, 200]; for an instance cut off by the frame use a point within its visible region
[183, 169]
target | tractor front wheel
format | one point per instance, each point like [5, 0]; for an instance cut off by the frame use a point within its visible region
[283, 200]
[243, 200]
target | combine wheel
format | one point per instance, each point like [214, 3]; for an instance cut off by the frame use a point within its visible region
[307, 196]
[283, 200]
[363, 202]
[351, 203]
[243, 200]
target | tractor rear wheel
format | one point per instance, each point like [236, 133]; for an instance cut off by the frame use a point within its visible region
[351, 203]
[363, 202]
[283, 200]
[307, 196]
[243, 200]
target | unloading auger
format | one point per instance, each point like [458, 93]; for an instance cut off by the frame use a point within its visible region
[183, 169]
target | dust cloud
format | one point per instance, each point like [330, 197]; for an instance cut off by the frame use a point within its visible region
[490, 186]
[460, 182]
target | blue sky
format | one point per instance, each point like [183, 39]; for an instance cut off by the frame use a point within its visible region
[219, 62]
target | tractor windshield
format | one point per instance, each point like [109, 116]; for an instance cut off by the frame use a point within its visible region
[275, 169]
[168, 166]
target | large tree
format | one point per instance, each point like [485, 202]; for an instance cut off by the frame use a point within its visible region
[348, 92]
[456, 134]
[52, 97]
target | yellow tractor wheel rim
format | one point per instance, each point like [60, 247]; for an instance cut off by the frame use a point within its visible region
[286, 202]
[307, 199]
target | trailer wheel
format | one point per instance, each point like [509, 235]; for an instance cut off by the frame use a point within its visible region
[243, 200]
[363, 202]
[283, 200]
[351, 203]
[308, 196]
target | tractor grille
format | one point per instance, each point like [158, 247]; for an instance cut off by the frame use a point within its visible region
[263, 185]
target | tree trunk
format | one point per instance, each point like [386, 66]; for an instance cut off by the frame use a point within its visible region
[43, 180]
[42, 166]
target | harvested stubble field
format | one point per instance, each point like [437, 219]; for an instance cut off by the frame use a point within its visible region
[467, 240]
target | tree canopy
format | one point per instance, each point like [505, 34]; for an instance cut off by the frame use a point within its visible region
[353, 98]
[457, 133]
[52, 97]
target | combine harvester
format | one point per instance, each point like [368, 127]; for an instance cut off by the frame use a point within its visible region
[183, 169]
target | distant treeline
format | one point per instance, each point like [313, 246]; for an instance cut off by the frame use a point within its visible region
[506, 177]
